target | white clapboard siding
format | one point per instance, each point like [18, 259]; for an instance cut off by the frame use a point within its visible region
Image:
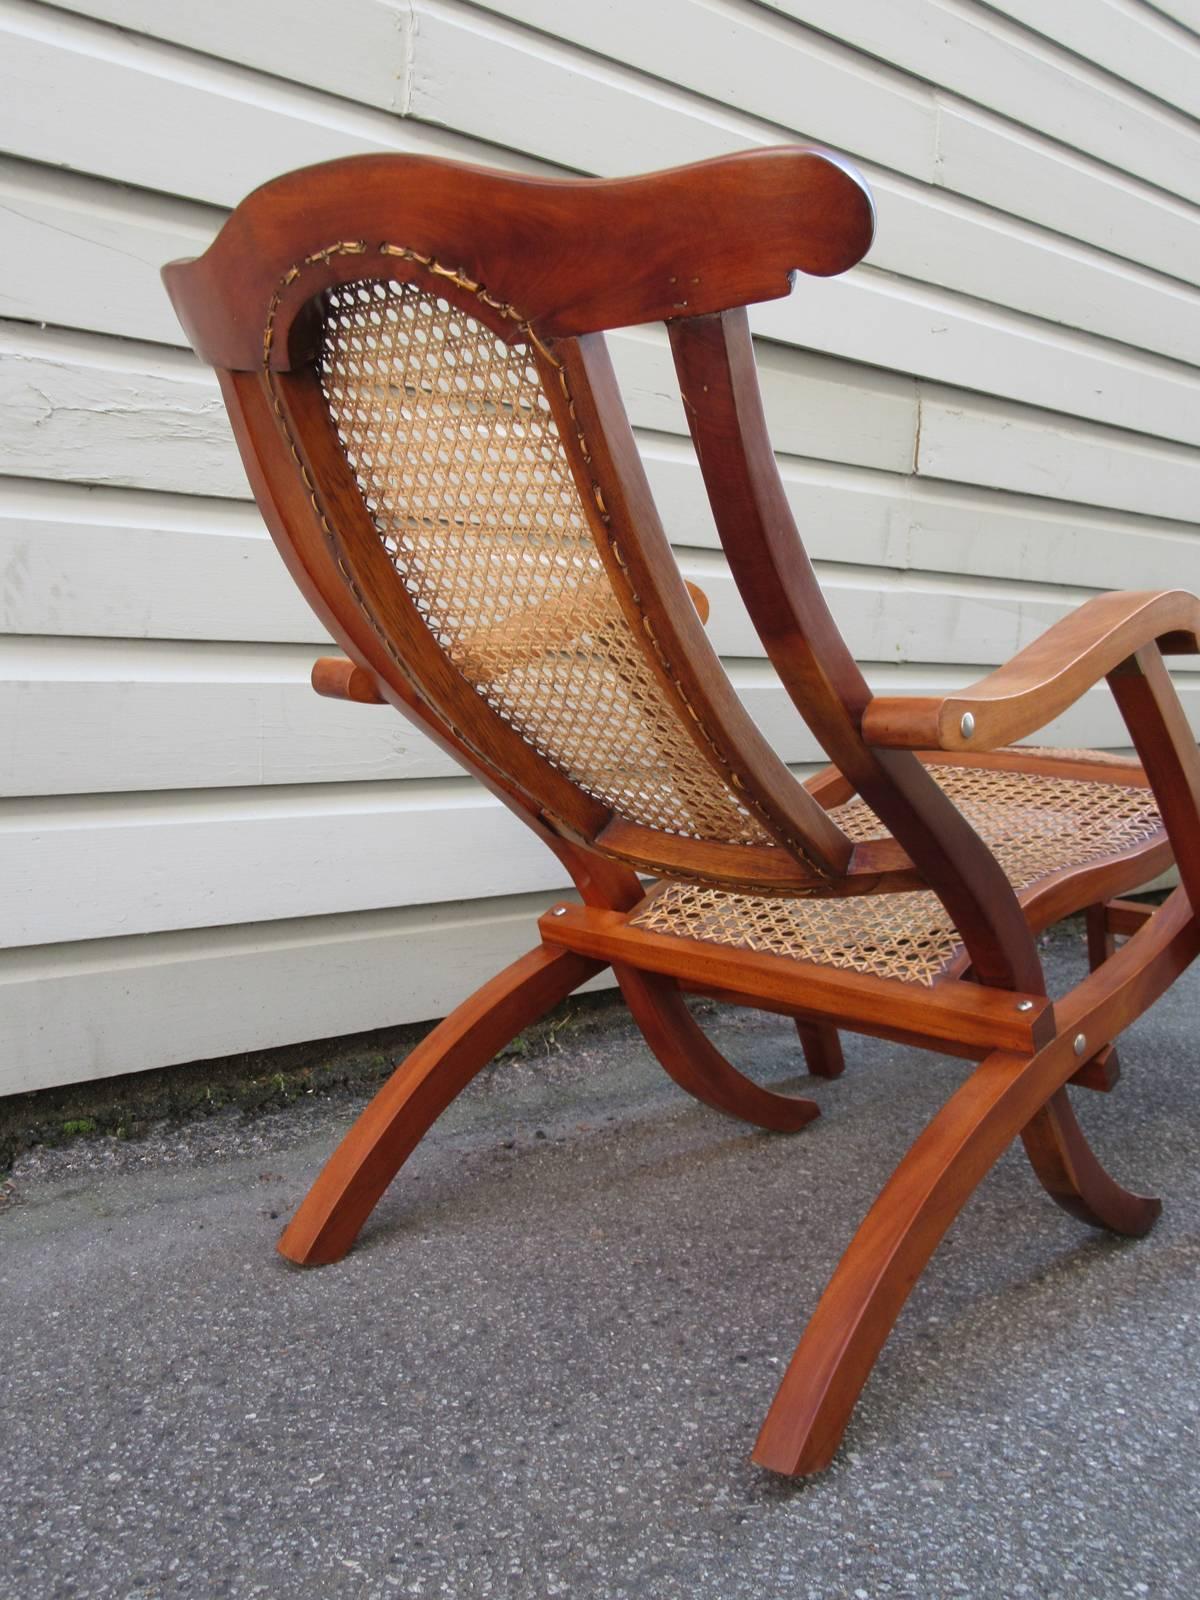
[358, 51]
[139, 864]
[1185, 12]
[896, 324]
[991, 419]
[92, 1009]
[621, 125]
[95, 410]
[738, 52]
[1125, 38]
[904, 212]
[62, 77]
[976, 440]
[110, 563]
[67, 735]
[81, 560]
[110, 280]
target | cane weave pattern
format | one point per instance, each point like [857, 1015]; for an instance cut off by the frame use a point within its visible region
[1034, 825]
[451, 438]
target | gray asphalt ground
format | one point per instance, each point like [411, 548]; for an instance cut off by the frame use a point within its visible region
[542, 1370]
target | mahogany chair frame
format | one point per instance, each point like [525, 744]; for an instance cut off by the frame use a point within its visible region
[550, 265]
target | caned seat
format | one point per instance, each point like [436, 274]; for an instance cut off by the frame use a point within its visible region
[1036, 824]
[412, 355]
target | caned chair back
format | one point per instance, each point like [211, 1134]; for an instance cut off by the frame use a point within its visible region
[412, 353]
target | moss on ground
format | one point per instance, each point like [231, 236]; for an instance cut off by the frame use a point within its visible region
[127, 1106]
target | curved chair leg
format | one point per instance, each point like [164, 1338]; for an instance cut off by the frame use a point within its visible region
[900, 1233]
[822, 1049]
[1103, 1069]
[1068, 1170]
[697, 1065]
[420, 1089]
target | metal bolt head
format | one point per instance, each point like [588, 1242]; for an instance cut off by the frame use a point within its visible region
[1024, 1005]
[967, 725]
[559, 911]
[1080, 1043]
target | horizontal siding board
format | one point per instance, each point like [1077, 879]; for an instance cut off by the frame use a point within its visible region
[92, 410]
[69, 1013]
[61, 77]
[81, 561]
[1185, 12]
[972, 440]
[993, 257]
[113, 564]
[80, 253]
[905, 327]
[361, 55]
[1005, 168]
[465, 74]
[66, 736]
[1125, 37]
[200, 859]
[109, 280]
[993, 418]
[972, 53]
[903, 522]
[101, 411]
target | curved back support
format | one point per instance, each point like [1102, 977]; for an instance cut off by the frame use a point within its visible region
[412, 354]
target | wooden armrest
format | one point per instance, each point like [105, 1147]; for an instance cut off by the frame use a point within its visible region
[1042, 680]
[339, 679]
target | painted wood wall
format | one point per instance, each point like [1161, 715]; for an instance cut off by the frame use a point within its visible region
[993, 418]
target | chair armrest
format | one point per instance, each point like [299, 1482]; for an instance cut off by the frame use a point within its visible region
[1042, 680]
[339, 679]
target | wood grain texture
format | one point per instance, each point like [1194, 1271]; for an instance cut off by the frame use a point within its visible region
[989, 419]
[398, 1117]
[1040, 681]
[338, 679]
[959, 1018]
[688, 1057]
[553, 247]
[988, 1003]
[1006, 1094]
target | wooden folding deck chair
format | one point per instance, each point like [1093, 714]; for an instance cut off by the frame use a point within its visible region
[413, 358]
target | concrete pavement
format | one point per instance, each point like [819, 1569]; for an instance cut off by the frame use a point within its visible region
[542, 1370]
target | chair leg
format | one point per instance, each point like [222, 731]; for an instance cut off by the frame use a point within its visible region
[1071, 1174]
[1102, 1070]
[420, 1089]
[695, 1064]
[901, 1231]
[822, 1049]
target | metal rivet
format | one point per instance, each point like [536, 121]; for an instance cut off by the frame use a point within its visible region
[1024, 1005]
[1080, 1043]
[559, 911]
[967, 725]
